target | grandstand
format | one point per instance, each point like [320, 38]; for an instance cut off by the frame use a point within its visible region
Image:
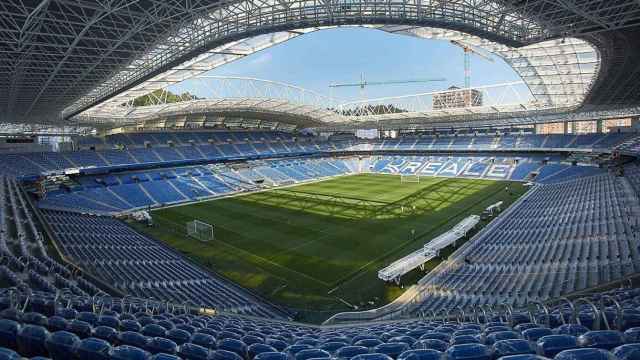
[518, 240]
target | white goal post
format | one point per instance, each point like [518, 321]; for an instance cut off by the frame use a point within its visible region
[409, 178]
[200, 230]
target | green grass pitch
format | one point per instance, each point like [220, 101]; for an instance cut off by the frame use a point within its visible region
[317, 247]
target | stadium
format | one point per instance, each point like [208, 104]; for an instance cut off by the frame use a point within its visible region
[249, 218]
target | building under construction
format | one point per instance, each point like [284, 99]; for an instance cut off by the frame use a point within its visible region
[455, 97]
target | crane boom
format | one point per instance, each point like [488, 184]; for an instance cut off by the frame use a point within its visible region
[364, 83]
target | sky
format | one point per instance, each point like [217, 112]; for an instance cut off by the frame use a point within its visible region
[313, 61]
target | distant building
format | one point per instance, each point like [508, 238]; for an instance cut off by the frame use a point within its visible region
[455, 97]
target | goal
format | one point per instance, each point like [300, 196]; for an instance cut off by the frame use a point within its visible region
[409, 178]
[200, 230]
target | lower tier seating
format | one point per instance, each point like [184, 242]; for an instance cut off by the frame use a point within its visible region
[36, 324]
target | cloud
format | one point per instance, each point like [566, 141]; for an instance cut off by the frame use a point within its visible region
[261, 59]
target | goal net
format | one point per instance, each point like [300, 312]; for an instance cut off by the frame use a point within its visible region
[200, 230]
[409, 178]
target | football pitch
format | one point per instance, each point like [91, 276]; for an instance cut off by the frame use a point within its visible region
[317, 247]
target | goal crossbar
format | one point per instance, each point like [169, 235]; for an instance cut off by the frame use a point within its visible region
[200, 230]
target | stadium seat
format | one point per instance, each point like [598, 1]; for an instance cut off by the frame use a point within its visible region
[627, 351]
[127, 352]
[601, 339]
[421, 355]
[191, 351]
[551, 345]
[161, 345]
[93, 349]
[31, 340]
[61, 344]
[584, 354]
[469, 352]
[512, 347]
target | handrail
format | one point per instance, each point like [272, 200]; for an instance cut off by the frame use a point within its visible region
[596, 325]
[571, 307]
[619, 311]
[539, 305]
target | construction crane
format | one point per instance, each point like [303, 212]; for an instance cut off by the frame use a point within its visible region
[468, 50]
[363, 83]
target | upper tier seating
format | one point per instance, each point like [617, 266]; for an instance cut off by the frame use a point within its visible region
[159, 147]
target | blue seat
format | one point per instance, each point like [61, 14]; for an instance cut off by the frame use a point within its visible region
[224, 355]
[627, 352]
[34, 318]
[501, 335]
[466, 332]
[133, 338]
[550, 345]
[127, 352]
[81, 328]
[464, 339]
[278, 344]
[601, 339]
[254, 349]
[8, 354]
[271, 356]
[106, 333]
[165, 357]
[421, 355]
[524, 357]
[130, 325]
[60, 344]
[9, 333]
[332, 346]
[468, 352]
[525, 326]
[496, 328]
[89, 317]
[512, 347]
[391, 349]
[374, 356]
[403, 339]
[534, 334]
[312, 354]
[571, 329]
[347, 352]
[179, 336]
[106, 320]
[153, 330]
[32, 339]
[92, 349]
[191, 351]
[434, 344]
[203, 339]
[233, 345]
[436, 335]
[584, 354]
[57, 323]
[161, 345]
[632, 335]
[292, 350]
[252, 339]
[368, 343]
